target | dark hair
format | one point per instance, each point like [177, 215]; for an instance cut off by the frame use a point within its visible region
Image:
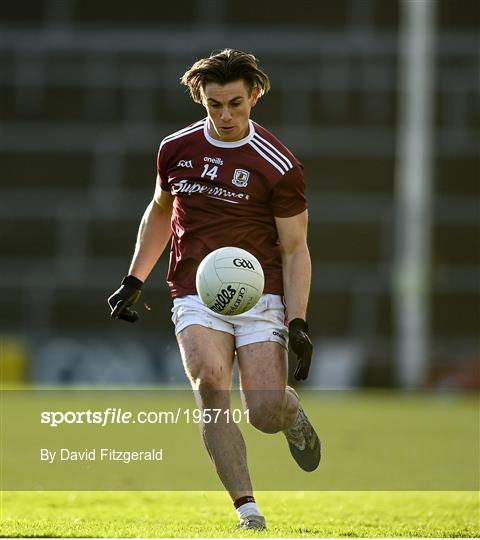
[226, 66]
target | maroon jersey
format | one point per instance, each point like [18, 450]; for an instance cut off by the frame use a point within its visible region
[227, 194]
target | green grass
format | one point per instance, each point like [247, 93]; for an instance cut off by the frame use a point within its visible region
[371, 441]
[210, 514]
[386, 442]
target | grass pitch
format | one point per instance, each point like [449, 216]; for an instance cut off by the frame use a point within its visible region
[210, 514]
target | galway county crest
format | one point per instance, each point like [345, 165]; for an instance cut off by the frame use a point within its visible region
[240, 177]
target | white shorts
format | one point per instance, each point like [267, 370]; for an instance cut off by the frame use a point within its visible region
[264, 322]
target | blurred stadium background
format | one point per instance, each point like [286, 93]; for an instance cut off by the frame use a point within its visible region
[89, 89]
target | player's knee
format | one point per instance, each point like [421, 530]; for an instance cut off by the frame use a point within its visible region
[212, 389]
[212, 376]
[205, 377]
[266, 418]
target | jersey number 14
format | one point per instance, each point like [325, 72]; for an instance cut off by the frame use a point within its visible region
[211, 172]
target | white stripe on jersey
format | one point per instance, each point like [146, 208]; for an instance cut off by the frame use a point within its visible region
[280, 161]
[182, 132]
[275, 164]
[275, 149]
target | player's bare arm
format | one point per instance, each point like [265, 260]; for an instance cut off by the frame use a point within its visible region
[153, 234]
[297, 270]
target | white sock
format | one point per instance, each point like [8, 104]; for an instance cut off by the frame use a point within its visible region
[248, 509]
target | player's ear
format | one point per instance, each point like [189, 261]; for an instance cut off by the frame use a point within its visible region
[254, 95]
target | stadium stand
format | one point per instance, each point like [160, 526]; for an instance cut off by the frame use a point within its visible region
[88, 90]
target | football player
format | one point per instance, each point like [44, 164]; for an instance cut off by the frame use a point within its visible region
[227, 181]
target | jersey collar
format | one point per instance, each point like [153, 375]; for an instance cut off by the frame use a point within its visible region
[229, 144]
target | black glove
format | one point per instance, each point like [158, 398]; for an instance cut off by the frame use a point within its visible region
[302, 346]
[127, 295]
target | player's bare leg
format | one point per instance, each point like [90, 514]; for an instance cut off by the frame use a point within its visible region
[273, 405]
[208, 357]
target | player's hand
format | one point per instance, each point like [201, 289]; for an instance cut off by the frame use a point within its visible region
[302, 346]
[126, 296]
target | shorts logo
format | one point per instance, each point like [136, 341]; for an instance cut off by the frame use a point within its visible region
[240, 177]
[243, 263]
[184, 163]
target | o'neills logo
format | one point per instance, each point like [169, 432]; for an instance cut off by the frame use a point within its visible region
[214, 160]
[223, 298]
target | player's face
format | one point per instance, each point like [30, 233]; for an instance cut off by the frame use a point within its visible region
[228, 107]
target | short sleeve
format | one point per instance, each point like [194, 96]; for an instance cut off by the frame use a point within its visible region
[162, 175]
[288, 195]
